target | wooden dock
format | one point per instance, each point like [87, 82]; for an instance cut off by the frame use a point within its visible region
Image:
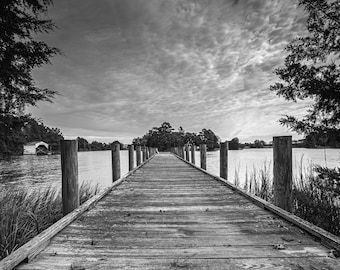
[170, 215]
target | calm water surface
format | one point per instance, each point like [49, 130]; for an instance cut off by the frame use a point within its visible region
[41, 171]
[249, 161]
[95, 167]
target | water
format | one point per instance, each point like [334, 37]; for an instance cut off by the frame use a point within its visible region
[95, 167]
[248, 161]
[42, 171]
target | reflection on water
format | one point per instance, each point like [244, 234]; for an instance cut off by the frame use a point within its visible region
[95, 167]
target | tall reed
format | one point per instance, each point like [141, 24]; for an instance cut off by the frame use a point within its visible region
[316, 193]
[24, 214]
[258, 182]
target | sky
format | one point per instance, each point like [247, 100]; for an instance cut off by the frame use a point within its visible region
[130, 65]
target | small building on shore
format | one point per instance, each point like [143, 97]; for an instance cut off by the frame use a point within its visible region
[36, 148]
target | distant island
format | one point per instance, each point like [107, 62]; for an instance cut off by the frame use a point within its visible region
[165, 137]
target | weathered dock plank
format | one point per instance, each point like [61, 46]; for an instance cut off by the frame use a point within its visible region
[169, 215]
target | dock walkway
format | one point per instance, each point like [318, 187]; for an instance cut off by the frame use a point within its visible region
[170, 215]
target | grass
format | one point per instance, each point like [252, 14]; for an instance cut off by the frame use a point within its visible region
[259, 183]
[316, 193]
[24, 214]
[317, 200]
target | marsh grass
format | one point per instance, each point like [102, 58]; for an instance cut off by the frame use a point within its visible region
[258, 182]
[24, 214]
[316, 193]
[317, 199]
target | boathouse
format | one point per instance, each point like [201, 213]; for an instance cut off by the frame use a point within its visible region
[36, 148]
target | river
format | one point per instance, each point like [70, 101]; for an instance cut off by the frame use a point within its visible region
[36, 172]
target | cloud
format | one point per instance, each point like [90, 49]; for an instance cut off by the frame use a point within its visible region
[130, 65]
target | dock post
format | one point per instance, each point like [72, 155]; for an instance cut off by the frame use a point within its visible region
[138, 155]
[224, 160]
[187, 157]
[203, 152]
[193, 154]
[282, 166]
[147, 152]
[144, 152]
[181, 149]
[115, 161]
[69, 174]
[130, 147]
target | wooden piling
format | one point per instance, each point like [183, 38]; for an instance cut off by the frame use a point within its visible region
[69, 172]
[138, 155]
[187, 156]
[144, 152]
[224, 160]
[203, 152]
[282, 166]
[181, 149]
[115, 161]
[147, 152]
[193, 153]
[131, 150]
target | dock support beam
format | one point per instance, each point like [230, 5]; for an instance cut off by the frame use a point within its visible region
[187, 156]
[203, 152]
[147, 152]
[282, 166]
[131, 150]
[144, 153]
[224, 160]
[138, 155]
[115, 161]
[69, 172]
[182, 151]
[193, 153]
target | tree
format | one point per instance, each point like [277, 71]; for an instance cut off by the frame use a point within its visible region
[161, 137]
[83, 144]
[96, 146]
[210, 139]
[258, 144]
[15, 131]
[20, 53]
[164, 137]
[234, 144]
[312, 70]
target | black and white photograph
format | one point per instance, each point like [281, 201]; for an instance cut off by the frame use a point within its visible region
[170, 134]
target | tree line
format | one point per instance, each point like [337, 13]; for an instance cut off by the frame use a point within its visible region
[312, 140]
[165, 137]
[84, 145]
[15, 131]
